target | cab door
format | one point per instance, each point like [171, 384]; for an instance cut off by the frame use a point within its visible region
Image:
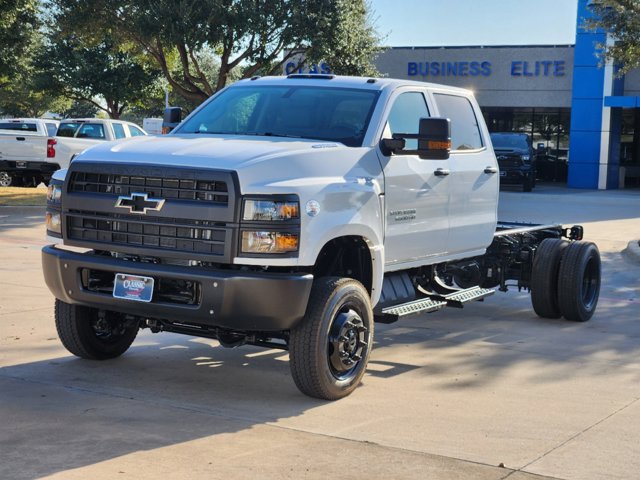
[416, 190]
[474, 179]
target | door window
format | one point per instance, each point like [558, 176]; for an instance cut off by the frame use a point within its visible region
[135, 131]
[405, 116]
[91, 130]
[118, 130]
[465, 132]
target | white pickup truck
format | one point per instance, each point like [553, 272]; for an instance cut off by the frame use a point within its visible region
[27, 148]
[293, 213]
[77, 134]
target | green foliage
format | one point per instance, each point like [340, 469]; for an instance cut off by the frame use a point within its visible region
[241, 38]
[85, 71]
[18, 23]
[621, 18]
[78, 109]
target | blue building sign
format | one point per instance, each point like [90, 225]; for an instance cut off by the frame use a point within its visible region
[519, 68]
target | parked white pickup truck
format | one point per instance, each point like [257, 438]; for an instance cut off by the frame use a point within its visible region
[293, 213]
[27, 148]
[77, 134]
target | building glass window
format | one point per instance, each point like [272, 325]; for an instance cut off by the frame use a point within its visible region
[548, 129]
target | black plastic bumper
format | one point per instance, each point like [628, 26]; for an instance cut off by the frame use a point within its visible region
[514, 176]
[23, 168]
[237, 300]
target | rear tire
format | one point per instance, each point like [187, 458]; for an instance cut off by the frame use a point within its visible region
[329, 348]
[85, 334]
[544, 277]
[579, 281]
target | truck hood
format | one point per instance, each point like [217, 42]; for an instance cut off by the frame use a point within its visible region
[263, 164]
[206, 151]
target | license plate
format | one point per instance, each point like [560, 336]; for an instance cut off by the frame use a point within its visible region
[503, 174]
[21, 164]
[133, 287]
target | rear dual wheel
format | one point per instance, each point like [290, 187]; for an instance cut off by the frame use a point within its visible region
[565, 280]
[329, 348]
[579, 281]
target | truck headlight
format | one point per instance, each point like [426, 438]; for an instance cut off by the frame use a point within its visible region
[54, 223]
[53, 216]
[54, 193]
[269, 242]
[526, 158]
[270, 210]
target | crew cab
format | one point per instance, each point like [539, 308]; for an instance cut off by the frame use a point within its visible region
[294, 213]
[27, 148]
[77, 134]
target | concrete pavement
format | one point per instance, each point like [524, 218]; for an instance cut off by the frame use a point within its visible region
[454, 394]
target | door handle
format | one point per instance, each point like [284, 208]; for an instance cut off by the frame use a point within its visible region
[490, 170]
[20, 139]
[441, 172]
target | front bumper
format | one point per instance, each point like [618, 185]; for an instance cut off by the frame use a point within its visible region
[45, 169]
[231, 299]
[514, 176]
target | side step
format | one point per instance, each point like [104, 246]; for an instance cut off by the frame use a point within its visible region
[432, 303]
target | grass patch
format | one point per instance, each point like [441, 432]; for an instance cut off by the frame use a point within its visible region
[18, 196]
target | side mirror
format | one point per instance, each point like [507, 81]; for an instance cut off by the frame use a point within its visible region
[172, 117]
[434, 140]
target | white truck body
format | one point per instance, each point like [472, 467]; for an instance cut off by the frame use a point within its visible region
[292, 212]
[77, 134]
[24, 144]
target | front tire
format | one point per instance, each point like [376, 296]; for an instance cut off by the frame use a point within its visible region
[579, 281]
[329, 348]
[87, 334]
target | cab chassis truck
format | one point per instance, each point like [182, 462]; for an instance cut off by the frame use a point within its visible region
[294, 213]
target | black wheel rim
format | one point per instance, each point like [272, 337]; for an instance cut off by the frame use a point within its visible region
[347, 343]
[590, 283]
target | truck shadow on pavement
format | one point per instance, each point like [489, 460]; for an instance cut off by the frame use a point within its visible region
[169, 390]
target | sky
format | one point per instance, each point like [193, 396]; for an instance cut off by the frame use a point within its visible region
[424, 23]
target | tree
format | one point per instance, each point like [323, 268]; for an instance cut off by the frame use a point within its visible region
[18, 23]
[620, 18]
[93, 72]
[244, 37]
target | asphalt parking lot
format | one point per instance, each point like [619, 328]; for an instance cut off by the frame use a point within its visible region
[489, 392]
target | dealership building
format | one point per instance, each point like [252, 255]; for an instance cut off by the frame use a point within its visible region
[583, 120]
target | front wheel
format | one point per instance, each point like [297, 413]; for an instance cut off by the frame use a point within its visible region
[94, 335]
[329, 348]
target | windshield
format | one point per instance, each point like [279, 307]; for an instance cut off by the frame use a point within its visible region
[510, 140]
[335, 114]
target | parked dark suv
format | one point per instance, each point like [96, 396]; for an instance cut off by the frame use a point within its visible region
[516, 159]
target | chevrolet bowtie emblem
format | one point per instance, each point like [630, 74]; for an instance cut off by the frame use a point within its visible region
[139, 203]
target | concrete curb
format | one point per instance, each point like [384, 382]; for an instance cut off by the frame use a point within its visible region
[633, 251]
